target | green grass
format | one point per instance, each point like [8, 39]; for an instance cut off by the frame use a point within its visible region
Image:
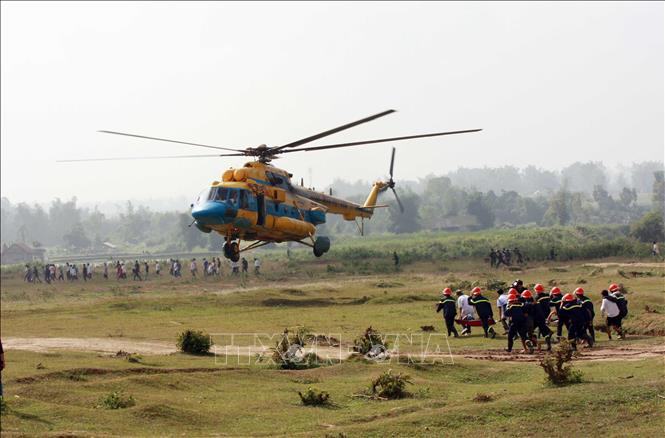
[198, 395]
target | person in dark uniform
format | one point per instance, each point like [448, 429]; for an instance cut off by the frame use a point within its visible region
[620, 299]
[587, 306]
[555, 304]
[518, 254]
[535, 312]
[396, 260]
[492, 258]
[515, 311]
[483, 309]
[245, 265]
[449, 306]
[576, 320]
[136, 271]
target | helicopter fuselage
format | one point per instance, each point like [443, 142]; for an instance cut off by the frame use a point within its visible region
[258, 202]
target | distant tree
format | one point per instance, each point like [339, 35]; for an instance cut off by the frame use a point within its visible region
[190, 237]
[650, 228]
[628, 197]
[409, 221]
[658, 195]
[603, 198]
[76, 237]
[641, 175]
[480, 208]
[582, 177]
[559, 212]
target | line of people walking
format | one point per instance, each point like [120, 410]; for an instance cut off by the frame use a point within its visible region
[527, 315]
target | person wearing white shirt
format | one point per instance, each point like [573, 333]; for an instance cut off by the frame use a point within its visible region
[501, 303]
[257, 266]
[466, 310]
[611, 310]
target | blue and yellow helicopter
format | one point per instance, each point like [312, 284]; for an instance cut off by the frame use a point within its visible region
[258, 202]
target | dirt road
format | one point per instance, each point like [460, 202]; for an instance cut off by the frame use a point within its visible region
[113, 345]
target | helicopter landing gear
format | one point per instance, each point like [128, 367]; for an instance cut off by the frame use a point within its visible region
[321, 246]
[232, 251]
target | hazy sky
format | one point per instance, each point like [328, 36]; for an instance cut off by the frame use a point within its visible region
[550, 84]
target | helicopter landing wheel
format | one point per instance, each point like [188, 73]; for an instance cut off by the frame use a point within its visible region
[321, 246]
[232, 251]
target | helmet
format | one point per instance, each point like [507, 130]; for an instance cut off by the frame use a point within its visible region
[475, 291]
[527, 294]
[447, 291]
[568, 297]
[555, 291]
[579, 291]
[613, 287]
[512, 291]
[539, 288]
[512, 298]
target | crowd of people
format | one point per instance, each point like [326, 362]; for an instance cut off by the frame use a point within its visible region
[505, 256]
[51, 272]
[528, 315]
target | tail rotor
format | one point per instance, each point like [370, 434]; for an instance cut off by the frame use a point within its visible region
[391, 182]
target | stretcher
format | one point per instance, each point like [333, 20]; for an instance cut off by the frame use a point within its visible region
[474, 322]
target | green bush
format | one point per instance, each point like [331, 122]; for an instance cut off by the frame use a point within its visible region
[314, 397]
[287, 353]
[194, 342]
[116, 400]
[390, 386]
[650, 228]
[369, 340]
[557, 366]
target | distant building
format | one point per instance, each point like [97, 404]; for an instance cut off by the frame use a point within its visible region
[21, 253]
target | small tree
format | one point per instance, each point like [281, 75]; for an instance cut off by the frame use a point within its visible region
[369, 341]
[194, 342]
[650, 228]
[314, 397]
[557, 365]
[390, 386]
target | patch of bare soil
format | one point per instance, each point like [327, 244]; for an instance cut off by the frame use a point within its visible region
[593, 354]
[635, 265]
[334, 352]
[98, 345]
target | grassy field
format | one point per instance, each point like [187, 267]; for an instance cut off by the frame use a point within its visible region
[57, 392]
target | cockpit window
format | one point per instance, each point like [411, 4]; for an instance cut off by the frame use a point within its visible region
[233, 197]
[218, 194]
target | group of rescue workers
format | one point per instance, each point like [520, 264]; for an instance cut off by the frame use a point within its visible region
[521, 312]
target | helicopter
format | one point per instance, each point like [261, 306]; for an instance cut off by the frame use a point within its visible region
[258, 203]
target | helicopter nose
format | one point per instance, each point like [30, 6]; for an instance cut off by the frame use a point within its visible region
[210, 213]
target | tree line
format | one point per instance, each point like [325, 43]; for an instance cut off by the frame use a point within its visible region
[442, 205]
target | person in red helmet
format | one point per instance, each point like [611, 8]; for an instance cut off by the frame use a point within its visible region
[587, 305]
[611, 310]
[619, 299]
[535, 313]
[542, 298]
[576, 320]
[555, 304]
[449, 306]
[483, 309]
[515, 311]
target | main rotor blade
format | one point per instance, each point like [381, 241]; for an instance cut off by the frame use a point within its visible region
[150, 158]
[332, 131]
[401, 207]
[171, 141]
[382, 140]
[392, 162]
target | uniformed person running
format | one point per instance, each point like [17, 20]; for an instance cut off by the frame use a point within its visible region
[449, 306]
[535, 312]
[555, 304]
[483, 309]
[576, 320]
[587, 305]
[515, 311]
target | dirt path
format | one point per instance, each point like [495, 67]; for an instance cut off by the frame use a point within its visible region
[113, 345]
[628, 264]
